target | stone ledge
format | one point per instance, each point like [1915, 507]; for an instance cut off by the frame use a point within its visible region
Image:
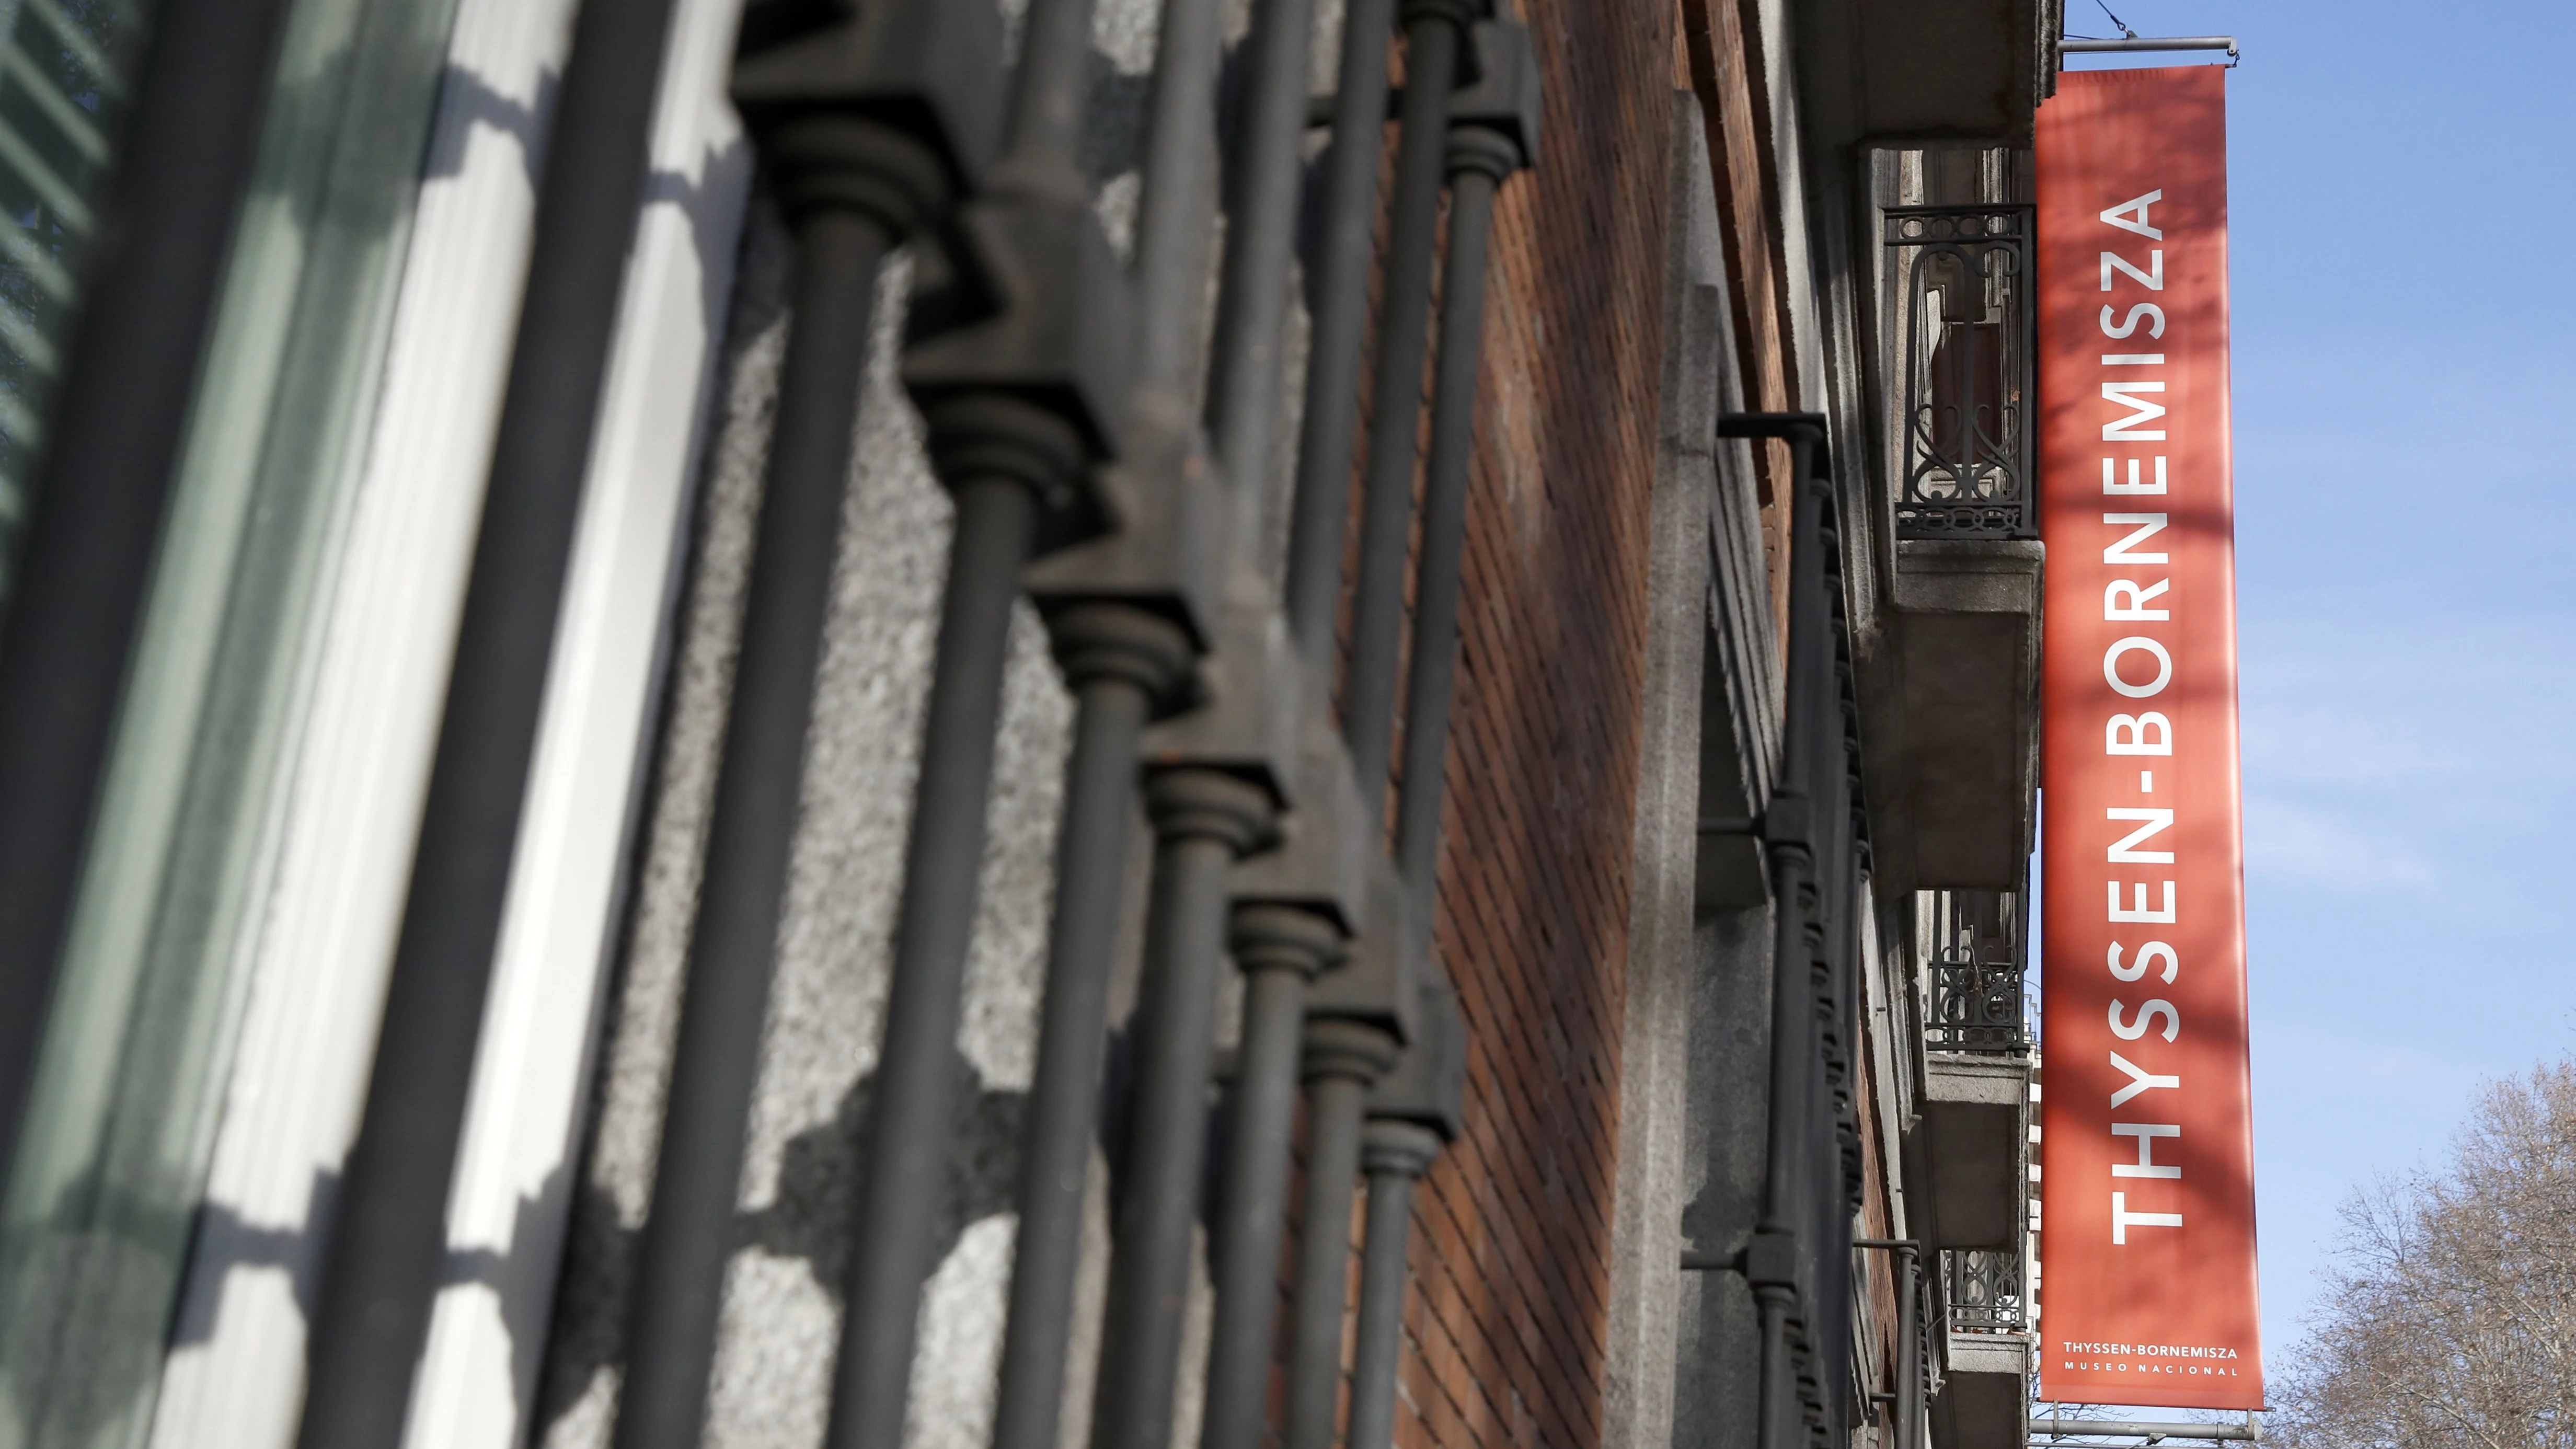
[1972, 1139]
[1994, 1081]
[1990, 1353]
[1969, 576]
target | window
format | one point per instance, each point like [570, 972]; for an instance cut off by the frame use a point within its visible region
[63, 69]
[103, 1196]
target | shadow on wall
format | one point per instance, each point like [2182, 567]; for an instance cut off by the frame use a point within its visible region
[469, 102]
[808, 1221]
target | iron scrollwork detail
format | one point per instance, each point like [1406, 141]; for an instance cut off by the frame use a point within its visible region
[1978, 970]
[1964, 277]
[1979, 1005]
[1985, 1290]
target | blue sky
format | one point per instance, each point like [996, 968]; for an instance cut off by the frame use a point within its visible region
[2403, 191]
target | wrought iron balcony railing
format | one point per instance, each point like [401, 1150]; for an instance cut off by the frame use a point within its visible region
[1977, 969]
[1962, 275]
[1984, 1287]
[1977, 1006]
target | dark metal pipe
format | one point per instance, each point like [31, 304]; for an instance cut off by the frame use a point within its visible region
[2054, 1428]
[1002, 457]
[1261, 214]
[1342, 1060]
[1777, 1422]
[1042, 145]
[1395, 1155]
[1909, 1340]
[2071, 45]
[1338, 289]
[1399, 1152]
[1772, 1263]
[1121, 663]
[389, 1235]
[1479, 159]
[1779, 1264]
[1203, 821]
[1909, 1346]
[1173, 228]
[688, 1237]
[1431, 44]
[1789, 828]
[1803, 1155]
[1281, 950]
[911, 1113]
[81, 569]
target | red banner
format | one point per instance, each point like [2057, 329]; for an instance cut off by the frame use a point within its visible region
[2147, 1288]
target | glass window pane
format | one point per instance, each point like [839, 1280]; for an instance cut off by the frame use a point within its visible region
[63, 68]
[103, 1198]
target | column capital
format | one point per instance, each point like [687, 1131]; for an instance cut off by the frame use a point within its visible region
[1339, 1047]
[1285, 938]
[1212, 804]
[1096, 642]
[1390, 1145]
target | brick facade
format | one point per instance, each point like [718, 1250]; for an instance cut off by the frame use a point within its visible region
[1505, 1339]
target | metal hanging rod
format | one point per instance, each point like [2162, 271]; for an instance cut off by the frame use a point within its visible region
[2150, 1432]
[2072, 46]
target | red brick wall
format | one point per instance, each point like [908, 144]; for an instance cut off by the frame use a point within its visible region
[1505, 1328]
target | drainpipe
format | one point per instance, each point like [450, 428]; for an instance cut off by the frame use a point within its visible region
[1779, 1264]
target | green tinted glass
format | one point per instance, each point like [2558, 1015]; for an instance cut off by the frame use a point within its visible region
[64, 67]
[128, 1091]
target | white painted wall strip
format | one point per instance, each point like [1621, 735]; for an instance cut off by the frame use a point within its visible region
[518, 1164]
[235, 1373]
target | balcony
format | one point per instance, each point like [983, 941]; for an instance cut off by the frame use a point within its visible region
[1983, 1290]
[1983, 1400]
[1976, 1005]
[1955, 669]
[1962, 275]
[1924, 67]
[1971, 1156]
[1971, 1138]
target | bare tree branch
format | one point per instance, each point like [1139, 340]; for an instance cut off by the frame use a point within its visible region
[2448, 1319]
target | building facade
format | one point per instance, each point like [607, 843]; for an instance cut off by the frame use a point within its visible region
[1106, 723]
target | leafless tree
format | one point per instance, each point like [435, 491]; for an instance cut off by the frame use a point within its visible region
[2449, 1316]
